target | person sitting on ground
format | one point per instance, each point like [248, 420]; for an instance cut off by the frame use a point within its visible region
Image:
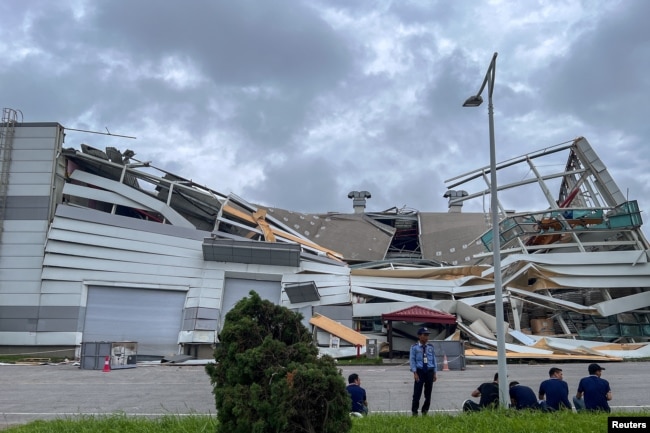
[596, 391]
[522, 397]
[554, 392]
[489, 393]
[357, 394]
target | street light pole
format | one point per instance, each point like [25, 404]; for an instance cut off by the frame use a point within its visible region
[475, 101]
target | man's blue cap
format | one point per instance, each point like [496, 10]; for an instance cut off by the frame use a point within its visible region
[423, 331]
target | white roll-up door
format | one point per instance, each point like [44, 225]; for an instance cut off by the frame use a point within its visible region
[236, 289]
[152, 318]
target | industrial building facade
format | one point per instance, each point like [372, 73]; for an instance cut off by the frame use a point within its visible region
[98, 246]
[75, 266]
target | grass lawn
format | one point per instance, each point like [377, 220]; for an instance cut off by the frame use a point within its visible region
[501, 421]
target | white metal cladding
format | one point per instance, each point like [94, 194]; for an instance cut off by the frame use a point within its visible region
[152, 318]
[236, 289]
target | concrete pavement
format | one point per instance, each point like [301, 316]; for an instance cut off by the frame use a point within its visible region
[50, 391]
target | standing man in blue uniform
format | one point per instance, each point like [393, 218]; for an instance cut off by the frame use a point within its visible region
[422, 360]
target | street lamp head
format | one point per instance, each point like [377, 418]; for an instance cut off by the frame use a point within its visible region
[473, 101]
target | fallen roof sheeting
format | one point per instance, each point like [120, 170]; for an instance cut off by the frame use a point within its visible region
[338, 330]
[477, 354]
[584, 254]
[554, 302]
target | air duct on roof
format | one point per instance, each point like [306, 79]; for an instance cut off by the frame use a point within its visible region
[455, 205]
[359, 200]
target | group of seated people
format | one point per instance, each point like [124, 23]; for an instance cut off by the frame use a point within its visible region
[593, 393]
[553, 393]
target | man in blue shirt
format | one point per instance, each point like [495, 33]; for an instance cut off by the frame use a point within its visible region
[357, 394]
[596, 391]
[554, 391]
[422, 360]
[522, 397]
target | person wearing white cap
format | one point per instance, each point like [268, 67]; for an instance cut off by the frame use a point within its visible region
[596, 391]
[422, 360]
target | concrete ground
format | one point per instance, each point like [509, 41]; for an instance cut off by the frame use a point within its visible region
[53, 391]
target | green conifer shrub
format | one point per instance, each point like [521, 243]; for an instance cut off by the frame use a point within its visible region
[268, 377]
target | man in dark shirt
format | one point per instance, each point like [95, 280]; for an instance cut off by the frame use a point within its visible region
[554, 391]
[522, 397]
[489, 396]
[357, 394]
[596, 391]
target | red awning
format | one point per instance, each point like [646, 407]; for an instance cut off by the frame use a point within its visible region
[420, 314]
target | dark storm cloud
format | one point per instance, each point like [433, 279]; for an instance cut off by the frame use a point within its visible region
[283, 52]
[606, 70]
[244, 43]
[295, 103]
[428, 12]
[303, 179]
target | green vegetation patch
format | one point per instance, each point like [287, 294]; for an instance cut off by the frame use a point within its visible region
[501, 421]
[119, 423]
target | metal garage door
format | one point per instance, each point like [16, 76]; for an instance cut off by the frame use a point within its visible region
[236, 289]
[152, 318]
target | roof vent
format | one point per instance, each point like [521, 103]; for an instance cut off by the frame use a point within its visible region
[359, 200]
[455, 202]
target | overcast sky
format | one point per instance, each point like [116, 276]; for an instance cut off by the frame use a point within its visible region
[293, 104]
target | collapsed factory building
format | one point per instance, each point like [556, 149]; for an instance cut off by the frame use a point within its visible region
[99, 245]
